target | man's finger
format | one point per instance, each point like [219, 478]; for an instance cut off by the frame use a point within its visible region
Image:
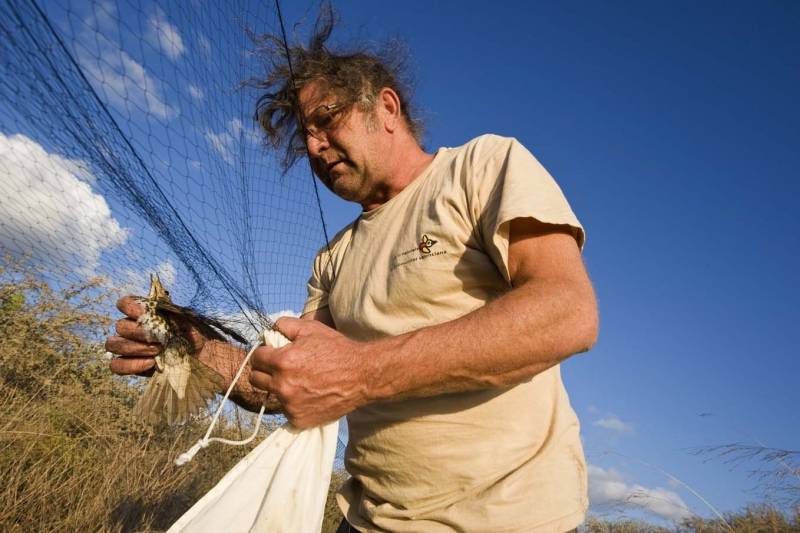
[289, 326]
[131, 365]
[129, 348]
[130, 329]
[262, 360]
[130, 306]
[261, 380]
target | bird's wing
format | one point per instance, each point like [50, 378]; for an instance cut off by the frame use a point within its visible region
[209, 327]
[164, 402]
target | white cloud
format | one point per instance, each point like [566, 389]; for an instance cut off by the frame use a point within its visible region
[614, 424]
[286, 312]
[115, 74]
[137, 282]
[164, 36]
[223, 142]
[608, 488]
[48, 209]
[104, 15]
[123, 80]
[204, 44]
[196, 92]
[235, 126]
[239, 130]
[240, 322]
[167, 272]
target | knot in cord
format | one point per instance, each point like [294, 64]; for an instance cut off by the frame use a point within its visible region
[189, 454]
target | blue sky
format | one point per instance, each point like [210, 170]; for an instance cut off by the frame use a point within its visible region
[672, 127]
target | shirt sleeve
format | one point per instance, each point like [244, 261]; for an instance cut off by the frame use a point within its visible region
[509, 183]
[323, 271]
[319, 284]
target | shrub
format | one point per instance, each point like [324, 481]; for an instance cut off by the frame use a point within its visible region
[72, 458]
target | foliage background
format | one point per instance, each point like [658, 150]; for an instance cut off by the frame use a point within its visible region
[71, 456]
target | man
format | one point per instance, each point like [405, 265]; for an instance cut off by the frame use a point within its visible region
[436, 321]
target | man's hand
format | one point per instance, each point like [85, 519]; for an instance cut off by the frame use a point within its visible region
[136, 349]
[318, 378]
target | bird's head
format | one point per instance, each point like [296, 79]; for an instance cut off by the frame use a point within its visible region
[157, 290]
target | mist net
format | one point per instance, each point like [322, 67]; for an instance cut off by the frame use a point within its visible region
[128, 146]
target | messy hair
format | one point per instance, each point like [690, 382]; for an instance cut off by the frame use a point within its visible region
[355, 77]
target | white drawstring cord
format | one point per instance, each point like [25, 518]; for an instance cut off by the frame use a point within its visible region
[189, 454]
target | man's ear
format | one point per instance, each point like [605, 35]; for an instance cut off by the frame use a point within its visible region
[389, 109]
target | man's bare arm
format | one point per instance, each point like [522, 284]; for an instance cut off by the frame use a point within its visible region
[548, 315]
[136, 354]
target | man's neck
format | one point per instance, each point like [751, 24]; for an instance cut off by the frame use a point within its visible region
[406, 163]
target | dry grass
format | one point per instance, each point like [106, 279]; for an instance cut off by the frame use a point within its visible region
[756, 519]
[596, 525]
[71, 456]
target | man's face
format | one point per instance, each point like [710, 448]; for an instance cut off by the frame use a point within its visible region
[344, 152]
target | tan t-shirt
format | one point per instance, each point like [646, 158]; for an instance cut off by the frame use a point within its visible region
[490, 460]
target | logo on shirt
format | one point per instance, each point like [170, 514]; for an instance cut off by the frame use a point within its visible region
[425, 244]
[423, 250]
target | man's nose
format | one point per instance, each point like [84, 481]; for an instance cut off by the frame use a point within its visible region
[316, 144]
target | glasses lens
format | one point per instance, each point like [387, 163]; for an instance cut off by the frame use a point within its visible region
[321, 119]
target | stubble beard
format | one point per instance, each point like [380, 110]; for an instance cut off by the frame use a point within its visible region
[347, 187]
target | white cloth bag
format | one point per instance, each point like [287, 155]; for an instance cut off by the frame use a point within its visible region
[279, 487]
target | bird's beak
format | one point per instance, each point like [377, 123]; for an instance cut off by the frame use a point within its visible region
[152, 293]
[157, 290]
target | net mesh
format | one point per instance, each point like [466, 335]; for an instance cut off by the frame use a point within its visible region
[128, 146]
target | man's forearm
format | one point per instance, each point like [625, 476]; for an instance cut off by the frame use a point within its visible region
[226, 359]
[522, 333]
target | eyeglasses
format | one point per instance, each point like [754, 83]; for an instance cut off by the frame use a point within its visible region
[322, 119]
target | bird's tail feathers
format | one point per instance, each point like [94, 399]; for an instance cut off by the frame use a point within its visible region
[161, 402]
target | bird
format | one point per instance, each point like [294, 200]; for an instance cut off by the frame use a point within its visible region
[181, 386]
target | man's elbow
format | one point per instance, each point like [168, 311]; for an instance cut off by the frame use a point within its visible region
[591, 330]
[586, 325]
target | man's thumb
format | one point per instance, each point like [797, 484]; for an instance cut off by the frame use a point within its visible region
[289, 327]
